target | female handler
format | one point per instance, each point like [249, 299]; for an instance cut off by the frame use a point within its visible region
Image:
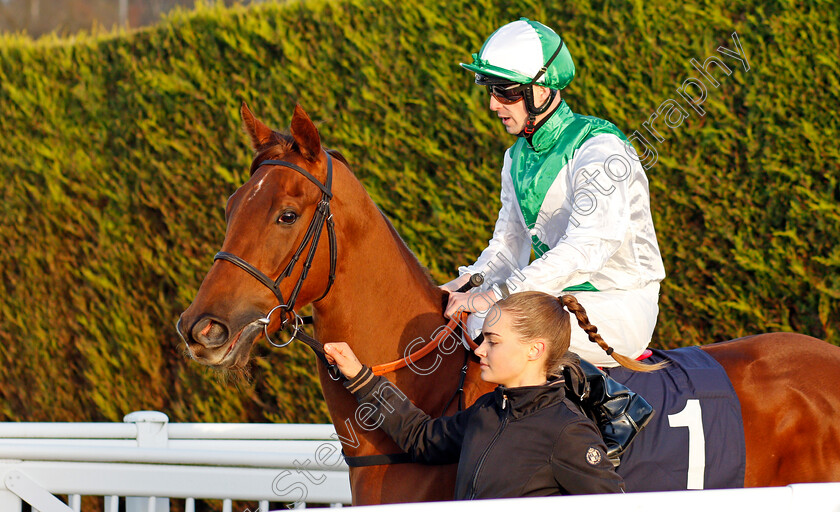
[523, 439]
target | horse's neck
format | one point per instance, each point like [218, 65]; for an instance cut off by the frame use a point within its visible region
[382, 298]
[382, 301]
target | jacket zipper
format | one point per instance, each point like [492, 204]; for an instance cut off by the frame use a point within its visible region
[489, 446]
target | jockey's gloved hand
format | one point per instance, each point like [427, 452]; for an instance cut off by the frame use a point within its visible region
[456, 283]
[470, 302]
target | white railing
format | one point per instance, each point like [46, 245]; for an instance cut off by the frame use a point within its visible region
[141, 464]
[146, 460]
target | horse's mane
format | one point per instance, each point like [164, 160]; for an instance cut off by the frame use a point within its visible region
[407, 253]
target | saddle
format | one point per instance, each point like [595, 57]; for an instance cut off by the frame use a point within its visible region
[619, 413]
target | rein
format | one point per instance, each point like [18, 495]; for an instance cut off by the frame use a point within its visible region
[380, 369]
[426, 349]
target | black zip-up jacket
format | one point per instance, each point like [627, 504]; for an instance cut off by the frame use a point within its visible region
[525, 441]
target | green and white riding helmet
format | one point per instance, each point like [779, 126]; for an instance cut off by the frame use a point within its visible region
[524, 52]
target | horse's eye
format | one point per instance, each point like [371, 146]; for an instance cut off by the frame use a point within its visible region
[288, 217]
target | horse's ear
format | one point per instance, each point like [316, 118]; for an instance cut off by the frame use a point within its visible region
[260, 133]
[305, 134]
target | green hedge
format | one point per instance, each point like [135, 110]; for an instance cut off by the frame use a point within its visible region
[120, 149]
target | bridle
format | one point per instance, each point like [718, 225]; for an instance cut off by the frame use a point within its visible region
[313, 234]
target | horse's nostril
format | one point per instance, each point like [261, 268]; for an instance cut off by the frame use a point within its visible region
[210, 333]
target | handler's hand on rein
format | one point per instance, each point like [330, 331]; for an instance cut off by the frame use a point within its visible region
[341, 355]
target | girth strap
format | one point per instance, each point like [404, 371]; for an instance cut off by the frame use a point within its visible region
[376, 460]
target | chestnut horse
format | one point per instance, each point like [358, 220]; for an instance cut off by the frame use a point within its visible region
[381, 300]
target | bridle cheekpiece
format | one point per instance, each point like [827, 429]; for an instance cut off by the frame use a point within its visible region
[313, 234]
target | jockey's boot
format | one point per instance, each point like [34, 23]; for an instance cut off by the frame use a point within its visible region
[619, 412]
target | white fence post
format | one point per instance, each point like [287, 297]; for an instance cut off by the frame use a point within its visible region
[152, 432]
[9, 501]
[112, 503]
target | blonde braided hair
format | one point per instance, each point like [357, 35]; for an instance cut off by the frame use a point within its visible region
[576, 309]
[540, 315]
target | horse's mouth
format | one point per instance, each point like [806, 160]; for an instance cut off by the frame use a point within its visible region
[239, 350]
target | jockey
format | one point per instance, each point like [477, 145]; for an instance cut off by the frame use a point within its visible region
[574, 192]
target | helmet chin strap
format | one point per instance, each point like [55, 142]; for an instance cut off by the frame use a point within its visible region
[534, 111]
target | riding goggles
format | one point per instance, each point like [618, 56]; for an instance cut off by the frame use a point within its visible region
[507, 94]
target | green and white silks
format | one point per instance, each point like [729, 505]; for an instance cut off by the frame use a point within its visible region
[535, 166]
[580, 198]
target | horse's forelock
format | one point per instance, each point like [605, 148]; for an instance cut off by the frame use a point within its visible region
[282, 144]
[276, 148]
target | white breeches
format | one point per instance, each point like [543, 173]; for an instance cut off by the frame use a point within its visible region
[624, 318]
